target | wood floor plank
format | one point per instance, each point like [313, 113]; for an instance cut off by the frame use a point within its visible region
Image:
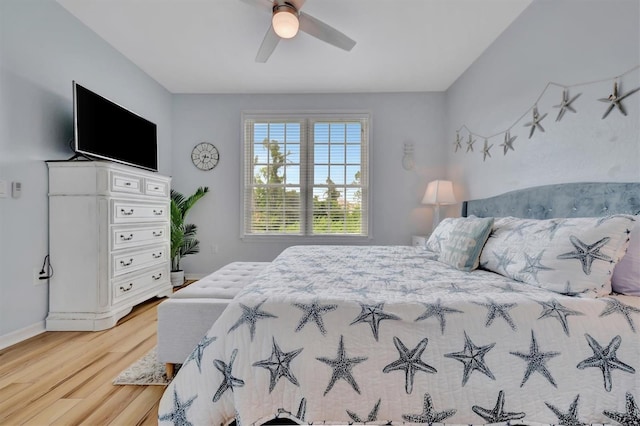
[51, 413]
[131, 414]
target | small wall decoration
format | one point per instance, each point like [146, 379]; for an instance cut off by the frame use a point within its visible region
[614, 100]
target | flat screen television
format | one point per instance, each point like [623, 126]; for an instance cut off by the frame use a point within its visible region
[106, 130]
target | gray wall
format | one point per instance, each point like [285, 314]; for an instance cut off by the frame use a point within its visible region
[567, 42]
[42, 49]
[396, 194]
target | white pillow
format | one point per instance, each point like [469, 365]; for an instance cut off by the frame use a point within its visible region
[626, 274]
[574, 256]
[440, 234]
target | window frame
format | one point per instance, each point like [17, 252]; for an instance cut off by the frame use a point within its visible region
[307, 120]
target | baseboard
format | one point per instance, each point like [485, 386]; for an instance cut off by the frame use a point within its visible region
[22, 334]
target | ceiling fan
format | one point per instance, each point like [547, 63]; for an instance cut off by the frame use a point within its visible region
[287, 19]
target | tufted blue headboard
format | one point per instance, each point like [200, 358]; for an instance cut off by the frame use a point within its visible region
[583, 199]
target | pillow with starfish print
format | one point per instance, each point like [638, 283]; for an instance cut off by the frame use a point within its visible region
[573, 256]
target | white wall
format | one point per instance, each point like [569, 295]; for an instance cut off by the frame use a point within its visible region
[396, 194]
[42, 49]
[564, 41]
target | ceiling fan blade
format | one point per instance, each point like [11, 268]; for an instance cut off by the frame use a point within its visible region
[262, 4]
[324, 32]
[269, 43]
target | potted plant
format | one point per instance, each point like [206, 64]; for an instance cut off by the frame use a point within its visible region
[183, 235]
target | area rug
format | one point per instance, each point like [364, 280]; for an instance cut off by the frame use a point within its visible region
[145, 371]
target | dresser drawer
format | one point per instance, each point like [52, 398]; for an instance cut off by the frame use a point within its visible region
[122, 182]
[123, 263]
[125, 237]
[156, 188]
[134, 285]
[128, 212]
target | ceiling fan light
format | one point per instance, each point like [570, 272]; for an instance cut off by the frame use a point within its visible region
[285, 21]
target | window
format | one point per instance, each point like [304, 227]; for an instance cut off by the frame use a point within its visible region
[306, 175]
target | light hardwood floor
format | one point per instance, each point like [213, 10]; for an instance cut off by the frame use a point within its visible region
[65, 378]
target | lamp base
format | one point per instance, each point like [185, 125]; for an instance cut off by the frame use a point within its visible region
[436, 217]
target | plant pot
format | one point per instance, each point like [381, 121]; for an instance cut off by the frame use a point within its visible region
[177, 278]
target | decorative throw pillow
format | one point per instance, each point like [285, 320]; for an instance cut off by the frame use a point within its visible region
[440, 234]
[461, 249]
[626, 274]
[574, 256]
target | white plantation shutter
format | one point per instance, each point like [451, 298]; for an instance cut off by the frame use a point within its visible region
[306, 175]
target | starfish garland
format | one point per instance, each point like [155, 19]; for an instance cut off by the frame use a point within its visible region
[458, 143]
[535, 122]
[565, 104]
[410, 362]
[485, 150]
[605, 359]
[615, 100]
[470, 143]
[508, 142]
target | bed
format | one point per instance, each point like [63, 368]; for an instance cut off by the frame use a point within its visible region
[507, 316]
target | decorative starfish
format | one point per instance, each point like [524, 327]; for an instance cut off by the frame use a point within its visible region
[605, 359]
[498, 309]
[614, 305]
[373, 314]
[228, 382]
[458, 143]
[535, 122]
[497, 415]
[250, 316]
[536, 361]
[554, 309]
[485, 150]
[508, 142]
[616, 101]
[179, 414]
[570, 418]
[372, 417]
[632, 415]
[470, 143]
[472, 357]
[534, 266]
[342, 367]
[437, 310]
[410, 362]
[278, 365]
[586, 253]
[198, 351]
[565, 104]
[428, 415]
[313, 311]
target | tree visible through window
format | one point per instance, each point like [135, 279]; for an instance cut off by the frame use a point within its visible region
[306, 176]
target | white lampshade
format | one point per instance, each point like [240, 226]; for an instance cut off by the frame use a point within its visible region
[285, 21]
[439, 192]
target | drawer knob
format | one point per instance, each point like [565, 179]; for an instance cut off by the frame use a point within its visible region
[157, 277]
[156, 188]
[157, 234]
[124, 290]
[127, 184]
[157, 212]
[123, 263]
[156, 256]
[123, 238]
[126, 213]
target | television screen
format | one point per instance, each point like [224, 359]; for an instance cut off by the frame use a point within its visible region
[104, 129]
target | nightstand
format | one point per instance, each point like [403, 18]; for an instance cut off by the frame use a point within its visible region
[419, 241]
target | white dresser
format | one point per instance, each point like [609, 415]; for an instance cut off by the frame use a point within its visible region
[109, 240]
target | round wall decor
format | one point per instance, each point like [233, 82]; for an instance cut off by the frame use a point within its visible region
[205, 156]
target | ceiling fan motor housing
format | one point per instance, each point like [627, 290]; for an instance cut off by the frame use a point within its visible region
[285, 19]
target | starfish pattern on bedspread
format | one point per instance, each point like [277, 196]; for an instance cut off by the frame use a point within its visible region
[554, 309]
[605, 359]
[534, 266]
[373, 314]
[278, 365]
[439, 311]
[497, 414]
[251, 316]
[570, 418]
[179, 414]
[410, 361]
[228, 381]
[198, 351]
[313, 311]
[372, 417]
[536, 361]
[472, 357]
[428, 415]
[498, 309]
[342, 366]
[504, 260]
[586, 253]
[616, 306]
[631, 417]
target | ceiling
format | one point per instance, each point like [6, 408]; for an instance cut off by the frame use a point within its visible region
[209, 46]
